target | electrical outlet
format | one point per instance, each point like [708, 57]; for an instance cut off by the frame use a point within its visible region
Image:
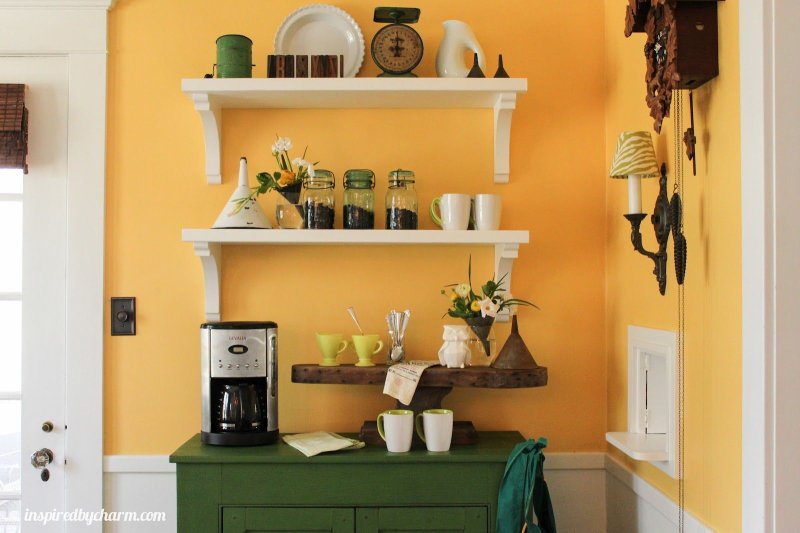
[123, 316]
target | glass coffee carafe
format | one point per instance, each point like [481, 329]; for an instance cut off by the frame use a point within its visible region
[240, 408]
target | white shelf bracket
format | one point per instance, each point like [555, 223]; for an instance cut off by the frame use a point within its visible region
[504, 255]
[211, 116]
[210, 255]
[503, 108]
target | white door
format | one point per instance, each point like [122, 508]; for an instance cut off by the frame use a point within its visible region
[33, 240]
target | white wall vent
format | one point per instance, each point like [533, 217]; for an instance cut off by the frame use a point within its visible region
[652, 401]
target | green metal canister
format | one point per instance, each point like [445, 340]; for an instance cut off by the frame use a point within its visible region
[234, 57]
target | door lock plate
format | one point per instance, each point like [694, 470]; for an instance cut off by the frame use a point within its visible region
[123, 316]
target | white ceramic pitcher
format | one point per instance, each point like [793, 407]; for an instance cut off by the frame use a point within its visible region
[458, 38]
[455, 352]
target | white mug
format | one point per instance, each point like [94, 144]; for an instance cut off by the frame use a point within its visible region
[487, 211]
[435, 428]
[454, 211]
[396, 427]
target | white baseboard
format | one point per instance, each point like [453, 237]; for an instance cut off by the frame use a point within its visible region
[591, 493]
[634, 505]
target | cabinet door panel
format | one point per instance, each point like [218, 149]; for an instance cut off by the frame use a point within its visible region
[411, 519]
[287, 520]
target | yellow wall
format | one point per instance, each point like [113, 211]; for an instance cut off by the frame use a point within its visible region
[156, 186]
[713, 280]
[585, 85]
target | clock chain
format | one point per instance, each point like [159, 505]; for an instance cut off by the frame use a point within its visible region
[681, 355]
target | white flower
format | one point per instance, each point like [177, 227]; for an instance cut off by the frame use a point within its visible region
[282, 144]
[463, 290]
[489, 308]
[310, 169]
[298, 162]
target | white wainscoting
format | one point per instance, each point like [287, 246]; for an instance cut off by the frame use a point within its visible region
[591, 493]
[634, 505]
[140, 483]
[577, 489]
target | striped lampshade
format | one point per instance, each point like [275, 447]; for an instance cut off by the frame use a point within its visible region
[634, 156]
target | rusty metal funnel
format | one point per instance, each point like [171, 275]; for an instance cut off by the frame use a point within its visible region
[514, 355]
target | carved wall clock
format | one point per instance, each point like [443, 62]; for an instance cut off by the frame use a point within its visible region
[681, 50]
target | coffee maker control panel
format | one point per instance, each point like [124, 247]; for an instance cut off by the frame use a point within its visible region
[238, 353]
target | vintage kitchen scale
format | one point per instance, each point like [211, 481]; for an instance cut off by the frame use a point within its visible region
[397, 48]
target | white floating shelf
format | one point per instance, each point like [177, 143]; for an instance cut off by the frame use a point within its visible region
[208, 245]
[640, 446]
[212, 95]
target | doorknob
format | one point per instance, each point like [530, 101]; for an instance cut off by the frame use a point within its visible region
[41, 458]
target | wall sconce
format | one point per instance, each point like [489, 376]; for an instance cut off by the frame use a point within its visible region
[635, 159]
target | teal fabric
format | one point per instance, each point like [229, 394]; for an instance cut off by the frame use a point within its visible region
[524, 498]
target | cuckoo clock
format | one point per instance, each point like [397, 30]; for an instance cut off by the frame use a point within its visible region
[681, 48]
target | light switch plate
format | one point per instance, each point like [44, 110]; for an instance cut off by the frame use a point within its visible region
[123, 316]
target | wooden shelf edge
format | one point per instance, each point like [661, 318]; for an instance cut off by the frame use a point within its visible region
[476, 377]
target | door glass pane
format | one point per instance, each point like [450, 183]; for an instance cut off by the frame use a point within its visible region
[9, 516]
[10, 182]
[10, 246]
[10, 427]
[10, 346]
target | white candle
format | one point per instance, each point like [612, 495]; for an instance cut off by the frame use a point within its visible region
[634, 194]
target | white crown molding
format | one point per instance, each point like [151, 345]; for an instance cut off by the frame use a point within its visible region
[103, 4]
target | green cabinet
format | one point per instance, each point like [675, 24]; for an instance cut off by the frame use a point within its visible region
[277, 489]
[358, 520]
[281, 519]
[438, 519]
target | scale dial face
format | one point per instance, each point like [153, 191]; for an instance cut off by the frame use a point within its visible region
[397, 49]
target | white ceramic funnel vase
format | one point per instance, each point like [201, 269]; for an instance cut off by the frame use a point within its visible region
[250, 215]
[458, 39]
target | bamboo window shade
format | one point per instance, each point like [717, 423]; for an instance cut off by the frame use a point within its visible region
[13, 127]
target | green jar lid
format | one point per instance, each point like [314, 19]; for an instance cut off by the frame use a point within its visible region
[359, 178]
[400, 176]
[322, 179]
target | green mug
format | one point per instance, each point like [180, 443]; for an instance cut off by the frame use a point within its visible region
[366, 346]
[331, 345]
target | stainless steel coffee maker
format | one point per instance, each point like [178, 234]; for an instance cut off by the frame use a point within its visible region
[239, 383]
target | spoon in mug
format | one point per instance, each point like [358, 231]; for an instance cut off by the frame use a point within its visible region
[353, 316]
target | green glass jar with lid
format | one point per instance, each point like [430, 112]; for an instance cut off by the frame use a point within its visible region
[359, 199]
[318, 199]
[401, 200]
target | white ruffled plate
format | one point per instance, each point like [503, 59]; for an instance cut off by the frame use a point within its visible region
[319, 29]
